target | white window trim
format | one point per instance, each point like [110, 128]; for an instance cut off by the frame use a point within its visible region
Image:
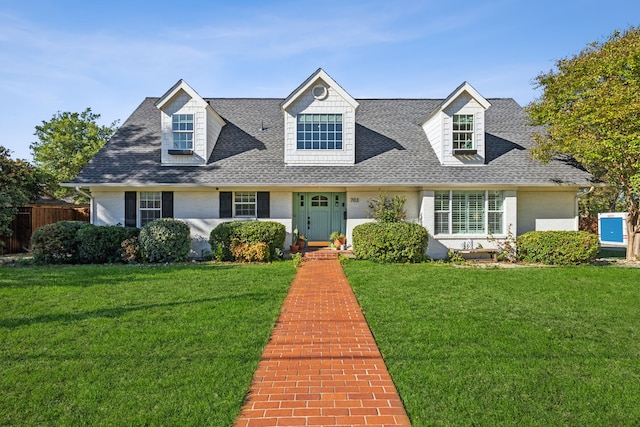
[236, 203]
[179, 131]
[486, 232]
[141, 209]
[468, 132]
[326, 149]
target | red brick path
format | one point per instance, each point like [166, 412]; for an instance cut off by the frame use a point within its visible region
[322, 366]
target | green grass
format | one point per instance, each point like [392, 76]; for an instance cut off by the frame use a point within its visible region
[133, 345]
[524, 346]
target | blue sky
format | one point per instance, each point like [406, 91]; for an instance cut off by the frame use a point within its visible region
[69, 55]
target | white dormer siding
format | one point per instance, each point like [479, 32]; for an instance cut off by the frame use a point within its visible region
[207, 124]
[439, 127]
[319, 94]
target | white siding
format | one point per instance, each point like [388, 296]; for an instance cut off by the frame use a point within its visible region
[434, 128]
[464, 104]
[540, 211]
[332, 104]
[109, 207]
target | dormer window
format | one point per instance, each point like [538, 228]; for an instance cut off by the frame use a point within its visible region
[182, 127]
[463, 134]
[319, 132]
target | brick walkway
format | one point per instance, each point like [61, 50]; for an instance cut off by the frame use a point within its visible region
[322, 366]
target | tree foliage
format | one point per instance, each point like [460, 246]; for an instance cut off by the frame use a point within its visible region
[387, 209]
[590, 109]
[19, 184]
[65, 145]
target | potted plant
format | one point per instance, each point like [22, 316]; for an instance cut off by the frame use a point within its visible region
[301, 241]
[295, 236]
[338, 239]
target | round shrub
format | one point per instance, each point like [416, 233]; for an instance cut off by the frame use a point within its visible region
[165, 240]
[557, 247]
[390, 241]
[101, 244]
[57, 242]
[250, 233]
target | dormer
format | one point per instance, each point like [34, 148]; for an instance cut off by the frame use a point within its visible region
[456, 128]
[319, 123]
[190, 126]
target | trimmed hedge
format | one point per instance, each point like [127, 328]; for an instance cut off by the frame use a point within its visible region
[102, 244]
[57, 243]
[227, 235]
[558, 247]
[165, 240]
[390, 241]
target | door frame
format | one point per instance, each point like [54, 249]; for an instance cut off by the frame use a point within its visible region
[336, 219]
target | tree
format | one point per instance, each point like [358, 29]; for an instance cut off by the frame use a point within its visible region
[590, 109]
[19, 184]
[65, 145]
[387, 209]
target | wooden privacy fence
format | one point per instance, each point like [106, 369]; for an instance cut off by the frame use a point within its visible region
[32, 216]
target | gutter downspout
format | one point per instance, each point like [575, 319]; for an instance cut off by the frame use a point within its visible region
[91, 204]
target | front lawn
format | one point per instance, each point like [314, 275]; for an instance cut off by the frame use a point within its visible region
[133, 345]
[524, 346]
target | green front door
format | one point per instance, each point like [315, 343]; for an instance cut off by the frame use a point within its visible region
[316, 215]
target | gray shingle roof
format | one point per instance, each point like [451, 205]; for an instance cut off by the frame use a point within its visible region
[391, 149]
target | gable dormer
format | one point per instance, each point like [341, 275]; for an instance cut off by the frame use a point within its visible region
[319, 123]
[456, 128]
[190, 126]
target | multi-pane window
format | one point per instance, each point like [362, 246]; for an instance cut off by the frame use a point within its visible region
[462, 131]
[469, 212]
[245, 203]
[182, 127]
[319, 201]
[319, 132]
[494, 212]
[150, 206]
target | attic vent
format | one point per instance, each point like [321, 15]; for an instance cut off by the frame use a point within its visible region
[319, 92]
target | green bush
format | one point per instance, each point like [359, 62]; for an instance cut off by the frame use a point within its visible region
[165, 240]
[221, 237]
[557, 247]
[248, 232]
[390, 241]
[102, 244]
[57, 243]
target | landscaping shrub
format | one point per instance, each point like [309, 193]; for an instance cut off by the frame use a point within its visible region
[165, 240]
[131, 250]
[57, 242]
[390, 241]
[271, 233]
[557, 247]
[250, 252]
[220, 239]
[102, 244]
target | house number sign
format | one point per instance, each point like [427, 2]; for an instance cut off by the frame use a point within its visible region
[355, 200]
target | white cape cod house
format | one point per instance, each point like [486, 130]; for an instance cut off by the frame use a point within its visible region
[314, 159]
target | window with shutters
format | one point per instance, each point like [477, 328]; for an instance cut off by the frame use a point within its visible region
[469, 212]
[150, 206]
[245, 203]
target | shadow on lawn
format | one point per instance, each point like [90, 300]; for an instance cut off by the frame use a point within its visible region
[115, 312]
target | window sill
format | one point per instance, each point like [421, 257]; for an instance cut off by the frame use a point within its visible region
[181, 152]
[465, 152]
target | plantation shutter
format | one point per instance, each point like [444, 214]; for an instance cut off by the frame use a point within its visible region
[167, 204]
[226, 204]
[130, 208]
[263, 208]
